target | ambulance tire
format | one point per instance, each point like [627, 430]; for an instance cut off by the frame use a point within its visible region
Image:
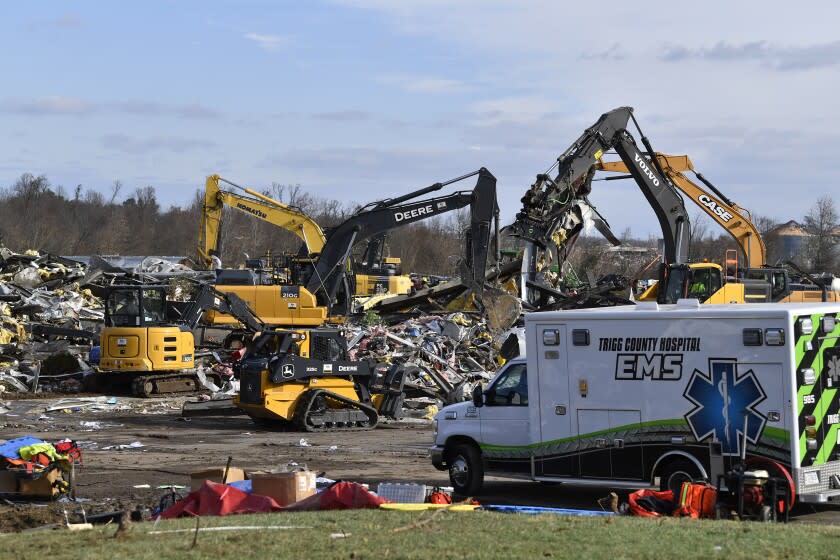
[466, 470]
[675, 472]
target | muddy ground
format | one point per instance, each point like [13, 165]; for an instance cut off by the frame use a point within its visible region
[174, 446]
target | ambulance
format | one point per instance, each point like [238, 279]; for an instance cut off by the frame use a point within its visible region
[655, 395]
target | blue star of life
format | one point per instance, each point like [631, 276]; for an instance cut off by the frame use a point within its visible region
[723, 400]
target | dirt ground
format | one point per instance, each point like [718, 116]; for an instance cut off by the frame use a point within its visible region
[172, 447]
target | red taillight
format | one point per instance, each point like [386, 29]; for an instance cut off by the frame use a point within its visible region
[810, 420]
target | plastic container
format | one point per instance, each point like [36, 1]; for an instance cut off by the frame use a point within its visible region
[402, 493]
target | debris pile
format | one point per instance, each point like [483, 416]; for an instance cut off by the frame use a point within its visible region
[47, 322]
[446, 355]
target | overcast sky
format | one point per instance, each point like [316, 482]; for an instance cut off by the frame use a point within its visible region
[363, 99]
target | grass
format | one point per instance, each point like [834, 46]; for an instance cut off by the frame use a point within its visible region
[391, 534]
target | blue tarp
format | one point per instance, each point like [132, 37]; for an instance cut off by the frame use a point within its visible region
[533, 510]
[10, 448]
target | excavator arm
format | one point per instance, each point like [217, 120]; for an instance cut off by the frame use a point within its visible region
[546, 202]
[209, 298]
[728, 215]
[375, 218]
[548, 199]
[256, 205]
[666, 202]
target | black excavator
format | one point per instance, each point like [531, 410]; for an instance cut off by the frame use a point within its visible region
[551, 204]
[330, 281]
[306, 377]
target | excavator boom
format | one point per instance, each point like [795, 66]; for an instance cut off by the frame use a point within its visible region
[374, 219]
[256, 205]
[545, 204]
[728, 215]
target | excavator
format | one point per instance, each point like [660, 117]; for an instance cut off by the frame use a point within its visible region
[323, 291]
[305, 377]
[547, 206]
[748, 278]
[147, 343]
[377, 276]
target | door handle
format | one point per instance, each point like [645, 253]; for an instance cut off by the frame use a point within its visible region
[559, 409]
[618, 443]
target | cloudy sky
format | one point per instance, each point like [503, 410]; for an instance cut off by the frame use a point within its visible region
[363, 99]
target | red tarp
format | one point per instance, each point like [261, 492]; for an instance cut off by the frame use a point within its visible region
[221, 499]
[341, 495]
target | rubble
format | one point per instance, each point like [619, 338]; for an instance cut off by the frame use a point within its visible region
[448, 354]
[47, 322]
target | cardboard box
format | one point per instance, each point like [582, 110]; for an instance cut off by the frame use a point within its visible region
[214, 474]
[8, 482]
[40, 487]
[285, 487]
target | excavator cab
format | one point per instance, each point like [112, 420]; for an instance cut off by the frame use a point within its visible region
[705, 282]
[696, 281]
[140, 343]
[135, 306]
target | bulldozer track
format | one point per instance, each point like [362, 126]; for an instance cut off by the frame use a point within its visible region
[313, 413]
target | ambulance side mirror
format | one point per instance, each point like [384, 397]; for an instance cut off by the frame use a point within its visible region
[478, 397]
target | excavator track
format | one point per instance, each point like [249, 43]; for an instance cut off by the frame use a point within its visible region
[163, 384]
[315, 412]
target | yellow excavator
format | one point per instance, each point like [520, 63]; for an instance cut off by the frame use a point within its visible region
[747, 279]
[147, 342]
[377, 273]
[257, 205]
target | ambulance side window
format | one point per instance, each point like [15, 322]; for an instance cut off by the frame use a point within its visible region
[510, 388]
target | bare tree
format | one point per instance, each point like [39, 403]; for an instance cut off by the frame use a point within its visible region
[820, 222]
[115, 191]
[28, 185]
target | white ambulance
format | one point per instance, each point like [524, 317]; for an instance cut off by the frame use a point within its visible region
[643, 395]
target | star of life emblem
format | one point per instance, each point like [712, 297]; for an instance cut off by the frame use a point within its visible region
[724, 405]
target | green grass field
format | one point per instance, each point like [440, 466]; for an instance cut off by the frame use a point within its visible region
[387, 534]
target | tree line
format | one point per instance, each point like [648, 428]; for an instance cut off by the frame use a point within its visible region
[36, 215]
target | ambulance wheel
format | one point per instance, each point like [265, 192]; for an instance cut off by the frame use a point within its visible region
[466, 471]
[675, 472]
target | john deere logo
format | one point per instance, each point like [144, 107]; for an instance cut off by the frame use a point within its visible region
[288, 371]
